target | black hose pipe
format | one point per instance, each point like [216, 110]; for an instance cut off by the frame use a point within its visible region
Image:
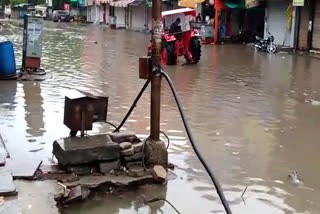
[186, 125]
[132, 106]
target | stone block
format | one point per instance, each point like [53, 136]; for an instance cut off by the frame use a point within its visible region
[134, 157]
[83, 150]
[127, 152]
[134, 164]
[155, 153]
[136, 171]
[74, 195]
[7, 187]
[106, 167]
[138, 147]
[159, 174]
[124, 137]
[79, 170]
[125, 145]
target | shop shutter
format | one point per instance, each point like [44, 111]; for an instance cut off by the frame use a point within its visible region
[316, 27]
[277, 21]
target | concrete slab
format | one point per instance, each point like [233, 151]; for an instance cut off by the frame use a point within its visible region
[23, 169]
[3, 152]
[111, 180]
[3, 158]
[7, 187]
[82, 150]
[36, 197]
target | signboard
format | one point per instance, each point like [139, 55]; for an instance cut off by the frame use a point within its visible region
[298, 3]
[49, 3]
[7, 10]
[252, 3]
[34, 37]
[66, 7]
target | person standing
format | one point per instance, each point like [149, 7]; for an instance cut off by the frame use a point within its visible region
[198, 18]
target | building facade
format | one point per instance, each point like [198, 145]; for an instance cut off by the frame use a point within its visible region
[309, 26]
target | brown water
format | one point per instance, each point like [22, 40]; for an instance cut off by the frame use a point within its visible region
[252, 135]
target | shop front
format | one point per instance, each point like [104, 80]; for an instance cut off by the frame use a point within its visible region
[238, 17]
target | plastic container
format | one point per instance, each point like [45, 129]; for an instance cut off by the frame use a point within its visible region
[7, 59]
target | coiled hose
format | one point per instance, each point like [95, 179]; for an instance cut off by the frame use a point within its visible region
[190, 136]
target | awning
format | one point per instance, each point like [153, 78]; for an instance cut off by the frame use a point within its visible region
[136, 3]
[121, 3]
[105, 1]
[189, 3]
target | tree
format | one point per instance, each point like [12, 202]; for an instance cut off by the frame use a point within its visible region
[16, 2]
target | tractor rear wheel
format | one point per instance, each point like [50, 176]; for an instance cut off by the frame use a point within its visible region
[195, 49]
[169, 55]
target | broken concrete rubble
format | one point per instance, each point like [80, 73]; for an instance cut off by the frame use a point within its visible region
[134, 157]
[118, 158]
[136, 171]
[159, 174]
[124, 137]
[73, 194]
[127, 152]
[120, 179]
[76, 150]
[134, 164]
[125, 145]
[137, 147]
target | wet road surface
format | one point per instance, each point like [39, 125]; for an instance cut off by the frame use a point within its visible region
[247, 111]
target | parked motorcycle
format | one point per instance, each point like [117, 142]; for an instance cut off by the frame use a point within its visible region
[266, 44]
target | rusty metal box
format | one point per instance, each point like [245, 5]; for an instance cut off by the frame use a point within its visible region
[145, 67]
[82, 109]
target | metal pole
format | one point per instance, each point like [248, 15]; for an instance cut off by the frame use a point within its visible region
[156, 70]
[25, 40]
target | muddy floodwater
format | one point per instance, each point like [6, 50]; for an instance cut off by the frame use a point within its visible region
[247, 111]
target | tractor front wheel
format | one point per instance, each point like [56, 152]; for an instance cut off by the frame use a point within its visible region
[195, 49]
[168, 55]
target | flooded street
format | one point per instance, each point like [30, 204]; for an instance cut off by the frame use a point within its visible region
[247, 111]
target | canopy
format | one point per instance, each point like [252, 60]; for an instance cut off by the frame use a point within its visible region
[121, 3]
[235, 4]
[186, 11]
[189, 3]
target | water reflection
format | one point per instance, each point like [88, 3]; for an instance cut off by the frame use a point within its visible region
[246, 109]
[7, 96]
[34, 111]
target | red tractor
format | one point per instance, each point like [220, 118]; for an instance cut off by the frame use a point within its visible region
[178, 38]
